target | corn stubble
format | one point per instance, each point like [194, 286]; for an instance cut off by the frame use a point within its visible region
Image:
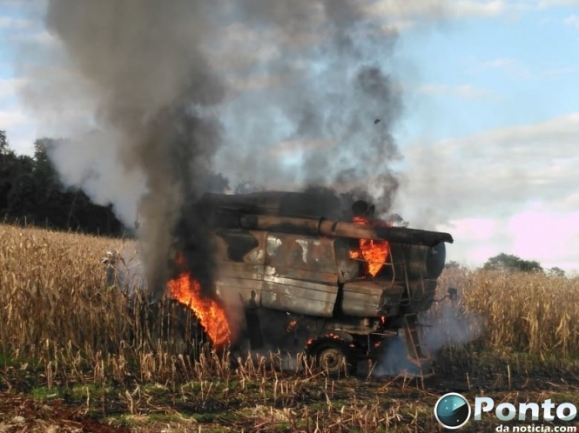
[62, 326]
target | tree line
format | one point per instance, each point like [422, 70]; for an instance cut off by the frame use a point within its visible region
[32, 193]
[511, 263]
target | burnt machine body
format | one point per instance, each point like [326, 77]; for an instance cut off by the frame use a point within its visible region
[293, 271]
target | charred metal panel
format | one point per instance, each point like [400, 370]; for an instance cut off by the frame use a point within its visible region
[245, 279]
[245, 283]
[301, 258]
[240, 270]
[240, 276]
[230, 243]
[367, 298]
[301, 252]
[422, 294]
[348, 269]
[417, 261]
[248, 291]
[298, 297]
[424, 262]
[353, 325]
[298, 274]
[323, 227]
[239, 243]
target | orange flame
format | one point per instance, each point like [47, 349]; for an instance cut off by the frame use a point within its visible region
[292, 325]
[373, 252]
[186, 290]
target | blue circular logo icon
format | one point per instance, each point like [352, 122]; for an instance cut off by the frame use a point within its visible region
[452, 411]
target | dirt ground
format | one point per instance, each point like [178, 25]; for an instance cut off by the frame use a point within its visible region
[159, 412]
[21, 413]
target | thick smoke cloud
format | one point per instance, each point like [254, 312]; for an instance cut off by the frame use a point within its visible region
[152, 84]
[327, 109]
[174, 98]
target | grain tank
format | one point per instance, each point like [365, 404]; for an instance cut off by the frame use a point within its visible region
[335, 288]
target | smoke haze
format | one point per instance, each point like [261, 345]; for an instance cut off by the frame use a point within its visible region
[327, 106]
[170, 99]
[446, 325]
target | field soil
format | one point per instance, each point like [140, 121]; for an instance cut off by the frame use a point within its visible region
[286, 402]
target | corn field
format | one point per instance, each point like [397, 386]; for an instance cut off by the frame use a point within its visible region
[55, 300]
[62, 323]
[523, 312]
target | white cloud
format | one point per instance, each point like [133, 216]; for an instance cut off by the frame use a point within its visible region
[572, 21]
[11, 119]
[15, 23]
[42, 37]
[508, 65]
[478, 9]
[544, 4]
[547, 236]
[499, 63]
[19, 5]
[558, 72]
[569, 203]
[472, 92]
[458, 9]
[475, 239]
[415, 13]
[9, 87]
[510, 190]
[21, 139]
[465, 91]
[436, 9]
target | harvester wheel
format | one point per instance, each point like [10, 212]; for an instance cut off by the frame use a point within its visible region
[331, 357]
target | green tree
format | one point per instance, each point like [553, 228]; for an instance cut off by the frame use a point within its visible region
[512, 263]
[556, 272]
[22, 197]
[30, 188]
[9, 172]
[4, 144]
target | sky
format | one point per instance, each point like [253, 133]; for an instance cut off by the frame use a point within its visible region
[488, 130]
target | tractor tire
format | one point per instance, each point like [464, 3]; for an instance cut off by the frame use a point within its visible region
[334, 358]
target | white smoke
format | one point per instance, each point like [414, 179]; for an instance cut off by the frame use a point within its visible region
[446, 325]
[451, 325]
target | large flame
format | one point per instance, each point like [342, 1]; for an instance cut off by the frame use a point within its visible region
[373, 252]
[185, 289]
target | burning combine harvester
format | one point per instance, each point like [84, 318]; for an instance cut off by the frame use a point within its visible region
[333, 288]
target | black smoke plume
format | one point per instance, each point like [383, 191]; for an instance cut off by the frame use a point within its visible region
[328, 107]
[143, 65]
[166, 100]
